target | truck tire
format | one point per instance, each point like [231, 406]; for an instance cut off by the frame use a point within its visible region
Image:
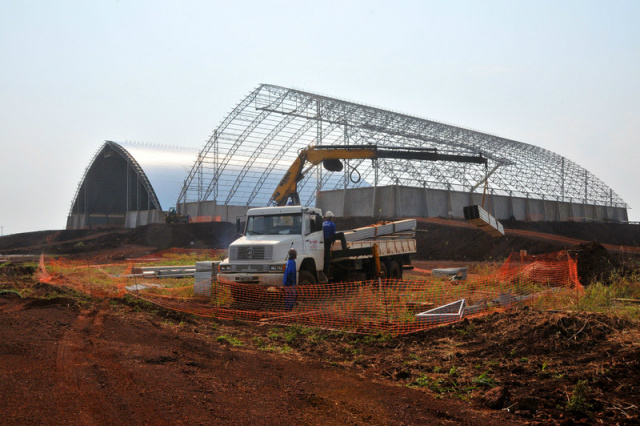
[394, 270]
[384, 272]
[307, 278]
[371, 271]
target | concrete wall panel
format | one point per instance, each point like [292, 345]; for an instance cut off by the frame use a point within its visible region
[501, 207]
[551, 210]
[437, 202]
[358, 202]
[565, 211]
[397, 201]
[143, 217]
[412, 203]
[209, 211]
[519, 208]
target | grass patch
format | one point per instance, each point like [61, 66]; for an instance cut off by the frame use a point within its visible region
[484, 380]
[17, 293]
[579, 399]
[264, 345]
[598, 297]
[229, 340]
[442, 386]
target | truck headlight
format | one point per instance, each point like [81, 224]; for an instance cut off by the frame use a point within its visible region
[225, 268]
[277, 268]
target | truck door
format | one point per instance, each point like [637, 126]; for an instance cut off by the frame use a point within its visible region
[312, 241]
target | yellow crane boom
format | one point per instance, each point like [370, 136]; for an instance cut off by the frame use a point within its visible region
[331, 155]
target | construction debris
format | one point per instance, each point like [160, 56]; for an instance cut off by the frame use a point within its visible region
[164, 271]
[142, 286]
[206, 273]
[454, 273]
[443, 314]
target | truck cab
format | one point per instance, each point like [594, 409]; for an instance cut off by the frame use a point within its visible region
[260, 255]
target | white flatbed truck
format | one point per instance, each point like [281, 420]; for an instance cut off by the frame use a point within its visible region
[260, 255]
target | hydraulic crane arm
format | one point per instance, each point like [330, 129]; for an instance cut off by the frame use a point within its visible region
[331, 155]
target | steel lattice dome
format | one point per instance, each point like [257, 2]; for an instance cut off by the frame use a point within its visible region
[247, 155]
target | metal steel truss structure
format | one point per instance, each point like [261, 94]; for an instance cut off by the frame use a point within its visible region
[135, 177]
[249, 152]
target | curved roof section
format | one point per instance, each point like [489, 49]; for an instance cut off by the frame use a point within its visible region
[125, 176]
[166, 168]
[255, 144]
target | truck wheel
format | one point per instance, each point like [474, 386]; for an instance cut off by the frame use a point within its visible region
[306, 278]
[395, 273]
[371, 271]
[384, 272]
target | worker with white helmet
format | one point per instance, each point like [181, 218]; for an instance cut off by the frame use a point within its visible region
[330, 235]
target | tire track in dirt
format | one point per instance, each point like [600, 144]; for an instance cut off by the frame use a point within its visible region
[83, 401]
[89, 379]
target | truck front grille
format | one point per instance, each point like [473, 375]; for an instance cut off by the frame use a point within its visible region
[251, 253]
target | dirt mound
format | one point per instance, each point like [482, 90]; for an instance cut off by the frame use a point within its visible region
[458, 241]
[527, 361]
[54, 301]
[534, 334]
[40, 238]
[15, 273]
[211, 235]
[606, 233]
[595, 263]
[11, 270]
[119, 244]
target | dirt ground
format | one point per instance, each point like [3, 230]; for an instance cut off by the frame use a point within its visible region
[71, 360]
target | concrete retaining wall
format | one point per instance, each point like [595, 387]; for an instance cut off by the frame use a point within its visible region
[143, 217]
[210, 211]
[402, 201]
[132, 219]
[388, 201]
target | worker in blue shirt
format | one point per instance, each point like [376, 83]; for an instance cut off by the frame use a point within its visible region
[330, 235]
[289, 281]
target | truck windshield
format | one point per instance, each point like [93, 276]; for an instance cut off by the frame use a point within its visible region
[275, 224]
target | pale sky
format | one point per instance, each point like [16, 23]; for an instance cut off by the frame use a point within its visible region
[562, 75]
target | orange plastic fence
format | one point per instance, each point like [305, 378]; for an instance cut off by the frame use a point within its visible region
[548, 269]
[375, 306]
[89, 278]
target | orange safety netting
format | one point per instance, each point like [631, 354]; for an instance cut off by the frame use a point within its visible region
[374, 306]
[90, 278]
[548, 269]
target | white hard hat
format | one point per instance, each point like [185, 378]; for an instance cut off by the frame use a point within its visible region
[328, 214]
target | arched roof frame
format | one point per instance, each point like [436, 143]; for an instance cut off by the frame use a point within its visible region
[246, 156]
[132, 162]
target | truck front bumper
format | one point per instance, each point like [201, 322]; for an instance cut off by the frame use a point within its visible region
[274, 279]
